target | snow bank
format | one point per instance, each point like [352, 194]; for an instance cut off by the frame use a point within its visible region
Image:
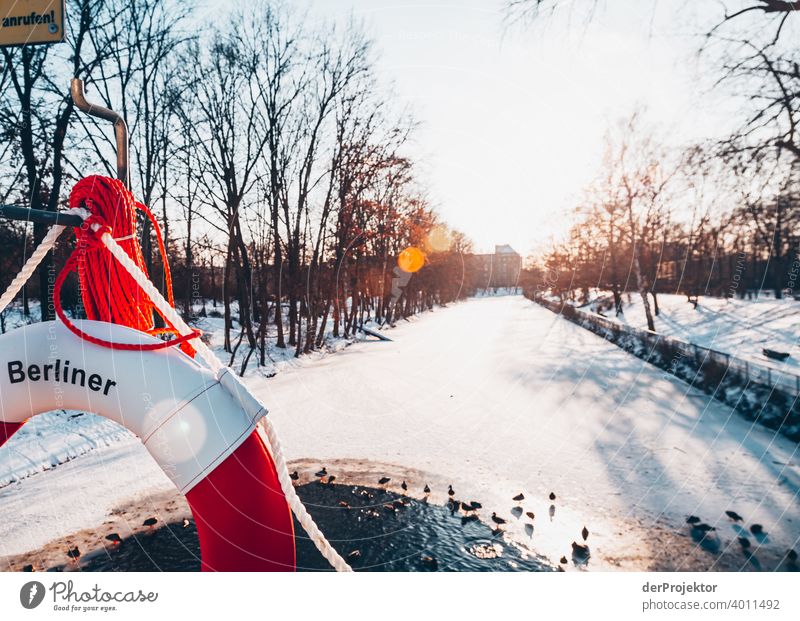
[55, 438]
[742, 328]
[748, 389]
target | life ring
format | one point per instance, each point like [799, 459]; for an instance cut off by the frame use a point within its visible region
[199, 434]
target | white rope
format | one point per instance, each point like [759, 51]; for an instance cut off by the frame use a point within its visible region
[45, 246]
[268, 433]
[30, 266]
[266, 429]
[158, 300]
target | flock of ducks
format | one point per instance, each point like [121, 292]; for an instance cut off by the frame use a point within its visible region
[701, 532]
[704, 535]
[581, 552]
[74, 553]
[469, 509]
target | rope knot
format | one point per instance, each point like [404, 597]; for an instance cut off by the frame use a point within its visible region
[90, 232]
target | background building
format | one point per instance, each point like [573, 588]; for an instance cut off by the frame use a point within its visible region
[501, 269]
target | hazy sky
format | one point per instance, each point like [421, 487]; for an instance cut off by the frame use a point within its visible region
[513, 120]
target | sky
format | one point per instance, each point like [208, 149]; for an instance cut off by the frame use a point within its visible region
[512, 119]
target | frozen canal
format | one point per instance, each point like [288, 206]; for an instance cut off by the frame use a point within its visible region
[498, 396]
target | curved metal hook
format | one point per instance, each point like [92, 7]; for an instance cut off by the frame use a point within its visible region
[120, 127]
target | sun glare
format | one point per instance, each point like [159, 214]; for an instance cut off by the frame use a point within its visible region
[411, 259]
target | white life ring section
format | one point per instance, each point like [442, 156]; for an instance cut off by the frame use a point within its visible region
[186, 419]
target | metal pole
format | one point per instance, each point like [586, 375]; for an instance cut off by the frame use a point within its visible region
[120, 128]
[15, 212]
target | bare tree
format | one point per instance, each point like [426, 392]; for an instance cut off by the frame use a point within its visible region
[638, 171]
[230, 136]
[143, 79]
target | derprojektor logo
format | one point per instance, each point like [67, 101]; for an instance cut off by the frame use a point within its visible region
[31, 594]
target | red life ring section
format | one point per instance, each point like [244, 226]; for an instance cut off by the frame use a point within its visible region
[202, 438]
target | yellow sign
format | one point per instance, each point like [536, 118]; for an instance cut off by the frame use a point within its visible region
[27, 22]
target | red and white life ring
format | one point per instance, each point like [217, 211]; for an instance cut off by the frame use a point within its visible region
[199, 434]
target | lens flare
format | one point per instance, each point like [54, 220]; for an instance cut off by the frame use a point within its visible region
[439, 239]
[411, 259]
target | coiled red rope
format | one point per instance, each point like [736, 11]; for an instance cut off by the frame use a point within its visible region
[108, 292]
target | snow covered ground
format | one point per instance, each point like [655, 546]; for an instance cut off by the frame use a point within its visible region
[738, 327]
[496, 395]
[55, 438]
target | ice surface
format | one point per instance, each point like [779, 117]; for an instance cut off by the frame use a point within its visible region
[497, 395]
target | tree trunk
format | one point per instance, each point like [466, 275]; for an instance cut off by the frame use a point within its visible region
[226, 300]
[277, 269]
